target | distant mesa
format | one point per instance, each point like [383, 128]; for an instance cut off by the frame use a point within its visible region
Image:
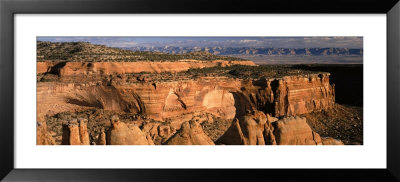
[256, 51]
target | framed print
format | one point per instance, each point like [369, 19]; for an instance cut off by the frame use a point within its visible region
[135, 90]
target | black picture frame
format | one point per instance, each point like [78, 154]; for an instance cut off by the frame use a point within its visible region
[9, 8]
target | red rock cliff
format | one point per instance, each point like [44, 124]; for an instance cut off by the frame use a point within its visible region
[79, 68]
[291, 95]
[224, 97]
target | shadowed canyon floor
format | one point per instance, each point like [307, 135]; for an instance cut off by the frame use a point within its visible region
[119, 97]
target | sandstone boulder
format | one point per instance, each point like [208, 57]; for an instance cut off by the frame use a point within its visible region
[123, 134]
[75, 132]
[246, 130]
[101, 139]
[256, 128]
[190, 133]
[158, 132]
[83, 132]
[295, 131]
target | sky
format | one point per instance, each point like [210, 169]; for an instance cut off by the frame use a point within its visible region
[278, 42]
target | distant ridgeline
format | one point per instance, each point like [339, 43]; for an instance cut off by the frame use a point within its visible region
[84, 51]
[256, 51]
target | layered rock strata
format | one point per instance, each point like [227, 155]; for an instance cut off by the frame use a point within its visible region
[224, 97]
[87, 68]
[111, 86]
[291, 95]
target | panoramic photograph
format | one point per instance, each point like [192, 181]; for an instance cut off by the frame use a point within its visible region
[199, 90]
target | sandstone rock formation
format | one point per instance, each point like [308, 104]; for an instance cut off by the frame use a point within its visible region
[122, 134]
[225, 97]
[75, 132]
[44, 67]
[159, 133]
[269, 136]
[190, 133]
[83, 132]
[246, 130]
[43, 137]
[163, 99]
[101, 140]
[292, 95]
[256, 128]
[79, 68]
[220, 102]
[295, 131]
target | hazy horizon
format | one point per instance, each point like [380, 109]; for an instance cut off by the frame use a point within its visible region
[350, 42]
[257, 49]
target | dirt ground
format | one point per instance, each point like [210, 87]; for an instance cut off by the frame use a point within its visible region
[341, 122]
[216, 129]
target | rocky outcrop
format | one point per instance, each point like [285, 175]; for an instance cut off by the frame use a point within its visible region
[75, 132]
[304, 95]
[156, 100]
[44, 67]
[190, 133]
[256, 128]
[83, 132]
[101, 140]
[87, 68]
[291, 95]
[158, 132]
[123, 134]
[220, 102]
[269, 136]
[295, 131]
[43, 137]
[246, 130]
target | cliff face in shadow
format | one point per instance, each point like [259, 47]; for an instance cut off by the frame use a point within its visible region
[348, 80]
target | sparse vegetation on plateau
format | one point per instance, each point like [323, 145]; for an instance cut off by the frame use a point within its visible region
[84, 51]
[254, 72]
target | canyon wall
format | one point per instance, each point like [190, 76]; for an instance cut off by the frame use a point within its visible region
[291, 95]
[224, 97]
[76, 68]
